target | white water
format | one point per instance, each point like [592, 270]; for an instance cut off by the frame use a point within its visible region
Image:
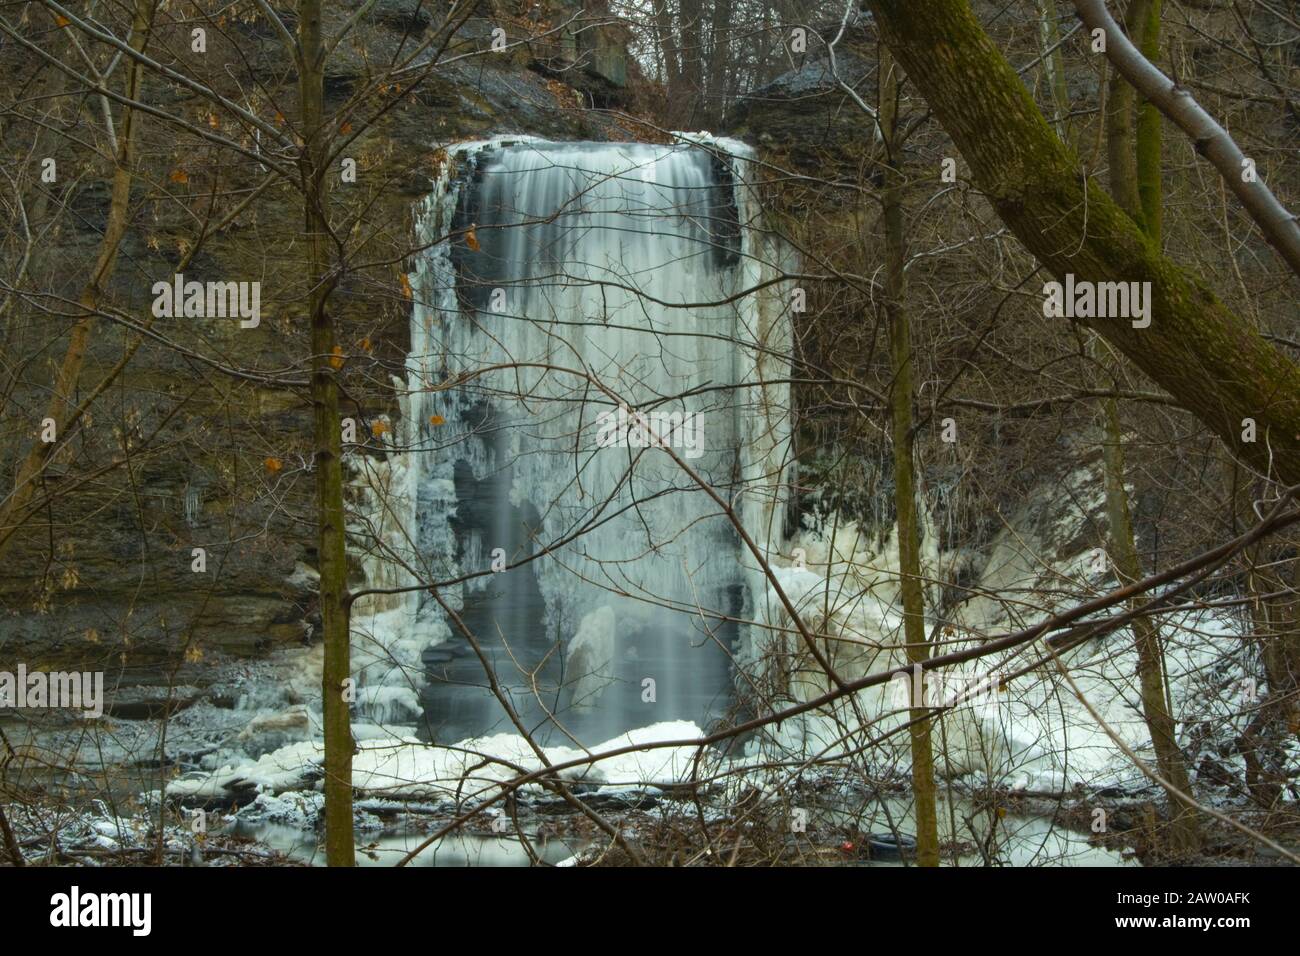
[602, 276]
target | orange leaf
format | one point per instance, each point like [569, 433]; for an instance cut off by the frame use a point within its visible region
[279, 117]
[61, 20]
[180, 176]
[471, 238]
[213, 121]
[378, 428]
[345, 128]
[365, 344]
[336, 357]
[437, 420]
[406, 285]
[273, 465]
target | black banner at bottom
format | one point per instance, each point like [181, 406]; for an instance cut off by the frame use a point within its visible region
[212, 906]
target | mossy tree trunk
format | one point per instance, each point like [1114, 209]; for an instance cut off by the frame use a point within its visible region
[1184, 831]
[1121, 119]
[328, 460]
[1135, 183]
[1148, 133]
[909, 532]
[1215, 364]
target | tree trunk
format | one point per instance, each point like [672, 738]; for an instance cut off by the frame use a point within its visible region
[909, 540]
[330, 517]
[1121, 117]
[1282, 650]
[691, 32]
[1208, 358]
[668, 48]
[1148, 135]
[1273, 717]
[720, 61]
[1129, 187]
[61, 407]
[1184, 832]
[1278, 225]
[1049, 38]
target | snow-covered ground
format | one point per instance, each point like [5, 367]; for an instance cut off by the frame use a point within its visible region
[402, 766]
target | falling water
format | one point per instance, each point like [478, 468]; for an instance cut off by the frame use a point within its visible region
[570, 286]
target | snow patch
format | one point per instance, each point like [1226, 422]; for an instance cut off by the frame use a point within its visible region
[406, 768]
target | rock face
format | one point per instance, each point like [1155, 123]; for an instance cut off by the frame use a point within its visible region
[105, 574]
[805, 118]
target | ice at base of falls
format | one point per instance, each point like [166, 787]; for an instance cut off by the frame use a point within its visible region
[402, 767]
[1038, 738]
[390, 705]
[590, 655]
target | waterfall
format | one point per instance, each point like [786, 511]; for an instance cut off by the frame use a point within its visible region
[581, 305]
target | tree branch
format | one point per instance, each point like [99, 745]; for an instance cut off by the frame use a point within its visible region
[1280, 227]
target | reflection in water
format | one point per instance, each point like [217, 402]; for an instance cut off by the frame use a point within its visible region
[1020, 841]
[388, 848]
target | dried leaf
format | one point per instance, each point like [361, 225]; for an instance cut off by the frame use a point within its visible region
[406, 285]
[437, 420]
[180, 176]
[471, 238]
[336, 357]
[273, 465]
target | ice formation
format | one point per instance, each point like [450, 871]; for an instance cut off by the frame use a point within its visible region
[565, 282]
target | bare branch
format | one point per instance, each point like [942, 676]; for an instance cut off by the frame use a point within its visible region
[1280, 227]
